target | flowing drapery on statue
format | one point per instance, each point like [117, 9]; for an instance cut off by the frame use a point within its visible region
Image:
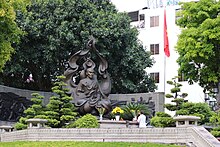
[89, 89]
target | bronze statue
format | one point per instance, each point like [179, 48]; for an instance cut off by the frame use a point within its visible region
[88, 92]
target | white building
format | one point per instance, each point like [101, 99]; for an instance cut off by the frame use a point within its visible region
[150, 23]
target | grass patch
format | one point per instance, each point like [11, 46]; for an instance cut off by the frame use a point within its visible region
[80, 144]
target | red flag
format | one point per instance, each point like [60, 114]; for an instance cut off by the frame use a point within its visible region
[166, 41]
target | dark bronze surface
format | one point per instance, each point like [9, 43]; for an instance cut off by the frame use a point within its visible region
[89, 85]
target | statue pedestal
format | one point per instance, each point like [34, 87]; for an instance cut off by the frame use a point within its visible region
[118, 124]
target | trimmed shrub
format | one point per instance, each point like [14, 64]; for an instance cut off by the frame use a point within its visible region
[87, 121]
[162, 119]
[20, 126]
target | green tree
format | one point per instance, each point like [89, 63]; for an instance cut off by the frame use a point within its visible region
[178, 99]
[57, 29]
[35, 111]
[9, 30]
[59, 109]
[198, 43]
[182, 107]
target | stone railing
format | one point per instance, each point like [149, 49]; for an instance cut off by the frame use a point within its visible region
[203, 138]
[197, 136]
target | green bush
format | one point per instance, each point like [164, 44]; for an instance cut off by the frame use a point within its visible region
[162, 122]
[162, 119]
[87, 121]
[217, 129]
[20, 126]
[162, 114]
[197, 109]
[215, 118]
[216, 132]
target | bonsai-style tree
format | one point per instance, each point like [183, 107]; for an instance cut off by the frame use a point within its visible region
[178, 99]
[60, 110]
[35, 111]
[182, 107]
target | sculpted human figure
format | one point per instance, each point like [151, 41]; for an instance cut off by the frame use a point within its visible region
[88, 92]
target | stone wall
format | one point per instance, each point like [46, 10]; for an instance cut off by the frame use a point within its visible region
[197, 136]
[26, 93]
[7, 123]
[157, 98]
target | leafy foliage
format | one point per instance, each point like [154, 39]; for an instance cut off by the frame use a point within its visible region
[162, 119]
[57, 29]
[178, 99]
[198, 43]
[132, 110]
[59, 109]
[87, 121]
[9, 30]
[34, 111]
[197, 109]
[215, 118]
[216, 132]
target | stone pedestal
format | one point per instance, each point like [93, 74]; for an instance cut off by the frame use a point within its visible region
[186, 120]
[36, 123]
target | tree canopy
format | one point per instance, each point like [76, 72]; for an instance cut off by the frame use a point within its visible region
[199, 42]
[9, 31]
[56, 29]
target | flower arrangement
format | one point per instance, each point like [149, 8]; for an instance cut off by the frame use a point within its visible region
[101, 110]
[117, 111]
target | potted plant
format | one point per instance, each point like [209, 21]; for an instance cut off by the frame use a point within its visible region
[117, 111]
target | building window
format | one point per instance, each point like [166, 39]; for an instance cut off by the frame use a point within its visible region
[154, 49]
[133, 15]
[141, 21]
[154, 21]
[138, 18]
[155, 76]
[181, 77]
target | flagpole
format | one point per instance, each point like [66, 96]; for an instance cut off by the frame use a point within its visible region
[164, 75]
[166, 47]
[164, 81]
